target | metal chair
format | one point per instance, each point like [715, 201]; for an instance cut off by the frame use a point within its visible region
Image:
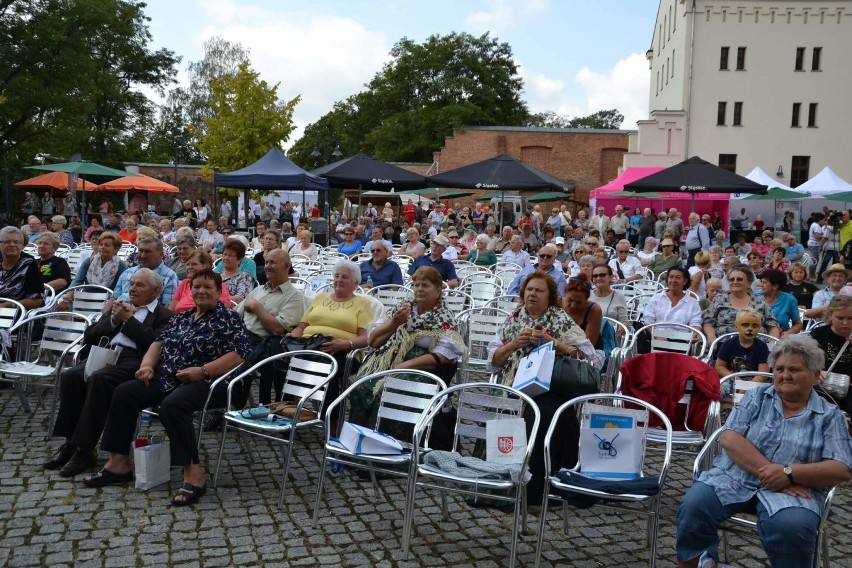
[463, 271]
[505, 303]
[456, 301]
[306, 382]
[73, 258]
[404, 261]
[391, 296]
[476, 404]
[478, 327]
[636, 305]
[626, 333]
[405, 398]
[647, 505]
[86, 299]
[506, 270]
[710, 357]
[482, 291]
[673, 338]
[746, 527]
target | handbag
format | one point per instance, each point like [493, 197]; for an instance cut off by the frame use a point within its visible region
[574, 377]
[311, 343]
[505, 440]
[151, 462]
[100, 357]
[836, 384]
[534, 372]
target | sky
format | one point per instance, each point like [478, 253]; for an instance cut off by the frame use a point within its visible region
[576, 57]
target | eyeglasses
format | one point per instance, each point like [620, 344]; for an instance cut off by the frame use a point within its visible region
[667, 246]
[545, 256]
[454, 236]
[12, 243]
[600, 275]
[376, 250]
[737, 279]
[622, 251]
[592, 243]
[346, 234]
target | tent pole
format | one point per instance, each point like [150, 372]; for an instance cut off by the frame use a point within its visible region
[358, 213]
[501, 213]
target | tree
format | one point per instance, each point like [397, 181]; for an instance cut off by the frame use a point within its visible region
[247, 120]
[603, 119]
[548, 119]
[422, 94]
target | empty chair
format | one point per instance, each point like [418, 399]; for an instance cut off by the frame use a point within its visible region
[456, 300]
[482, 291]
[506, 303]
[478, 328]
[672, 338]
[391, 296]
[88, 300]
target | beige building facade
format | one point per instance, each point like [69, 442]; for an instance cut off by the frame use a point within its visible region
[748, 83]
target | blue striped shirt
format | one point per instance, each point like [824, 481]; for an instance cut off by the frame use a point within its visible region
[817, 433]
[170, 283]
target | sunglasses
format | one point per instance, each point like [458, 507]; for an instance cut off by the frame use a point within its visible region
[737, 279]
[600, 275]
[545, 256]
[622, 251]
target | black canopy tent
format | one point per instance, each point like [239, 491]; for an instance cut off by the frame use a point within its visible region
[273, 171]
[369, 174]
[501, 173]
[696, 176]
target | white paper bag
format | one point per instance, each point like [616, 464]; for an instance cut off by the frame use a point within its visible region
[535, 371]
[361, 440]
[151, 464]
[612, 442]
[100, 357]
[505, 440]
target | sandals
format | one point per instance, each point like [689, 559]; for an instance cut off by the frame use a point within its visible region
[190, 493]
[106, 477]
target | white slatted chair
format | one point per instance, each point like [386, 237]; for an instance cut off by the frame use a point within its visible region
[391, 296]
[646, 286]
[465, 270]
[506, 303]
[645, 505]
[636, 305]
[73, 258]
[361, 257]
[31, 249]
[482, 291]
[10, 316]
[478, 327]
[476, 403]
[404, 261]
[623, 333]
[673, 338]
[299, 283]
[63, 250]
[506, 270]
[404, 400]
[710, 357]
[318, 280]
[87, 299]
[456, 301]
[736, 385]
[308, 374]
[125, 251]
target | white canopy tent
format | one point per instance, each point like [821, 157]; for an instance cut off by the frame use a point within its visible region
[824, 184]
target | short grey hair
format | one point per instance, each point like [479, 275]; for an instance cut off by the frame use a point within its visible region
[662, 215]
[482, 239]
[652, 240]
[189, 241]
[716, 248]
[519, 238]
[9, 230]
[589, 258]
[624, 242]
[720, 233]
[59, 219]
[385, 243]
[802, 345]
[352, 267]
[154, 279]
[51, 236]
[551, 247]
[151, 241]
[744, 268]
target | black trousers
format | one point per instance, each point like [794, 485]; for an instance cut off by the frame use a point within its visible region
[176, 409]
[83, 406]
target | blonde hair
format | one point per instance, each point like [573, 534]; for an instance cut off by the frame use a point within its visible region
[702, 258]
[837, 303]
[713, 283]
[146, 231]
[749, 312]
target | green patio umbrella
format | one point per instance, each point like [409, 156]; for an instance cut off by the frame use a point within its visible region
[649, 195]
[423, 191]
[496, 195]
[548, 196]
[842, 196]
[776, 194]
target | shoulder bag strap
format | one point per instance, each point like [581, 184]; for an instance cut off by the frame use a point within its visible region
[837, 358]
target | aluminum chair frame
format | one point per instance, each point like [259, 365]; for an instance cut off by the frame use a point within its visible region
[474, 409]
[456, 300]
[402, 400]
[87, 299]
[648, 505]
[710, 356]
[481, 292]
[478, 327]
[391, 295]
[747, 528]
[306, 382]
[673, 331]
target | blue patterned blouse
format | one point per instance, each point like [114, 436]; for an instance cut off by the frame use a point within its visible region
[188, 342]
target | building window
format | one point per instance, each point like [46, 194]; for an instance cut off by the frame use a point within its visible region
[741, 58]
[738, 114]
[812, 115]
[799, 170]
[728, 162]
[723, 59]
[797, 109]
[720, 114]
[800, 59]
[816, 57]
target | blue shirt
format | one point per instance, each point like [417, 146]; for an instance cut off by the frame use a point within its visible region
[817, 433]
[387, 273]
[794, 251]
[349, 250]
[785, 309]
[442, 265]
[170, 283]
[246, 265]
[555, 272]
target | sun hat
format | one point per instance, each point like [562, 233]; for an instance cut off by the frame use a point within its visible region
[837, 267]
[441, 240]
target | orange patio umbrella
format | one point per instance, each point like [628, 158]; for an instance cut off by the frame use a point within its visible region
[52, 180]
[140, 182]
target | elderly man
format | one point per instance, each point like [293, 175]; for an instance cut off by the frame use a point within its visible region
[620, 223]
[546, 264]
[436, 260]
[376, 235]
[211, 239]
[58, 223]
[660, 225]
[795, 250]
[502, 244]
[600, 222]
[646, 226]
[697, 239]
[626, 267]
[379, 270]
[149, 255]
[516, 252]
[563, 257]
[84, 402]
[33, 228]
[531, 242]
[675, 223]
[491, 233]
[48, 207]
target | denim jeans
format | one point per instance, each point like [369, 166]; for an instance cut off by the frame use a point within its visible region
[788, 536]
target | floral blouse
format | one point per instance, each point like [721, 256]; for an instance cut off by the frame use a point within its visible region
[723, 316]
[239, 284]
[188, 342]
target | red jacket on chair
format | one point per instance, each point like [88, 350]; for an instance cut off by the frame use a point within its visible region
[660, 379]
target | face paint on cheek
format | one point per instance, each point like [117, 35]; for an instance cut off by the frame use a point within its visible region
[748, 327]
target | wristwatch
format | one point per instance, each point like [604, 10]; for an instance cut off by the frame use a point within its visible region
[788, 471]
[206, 374]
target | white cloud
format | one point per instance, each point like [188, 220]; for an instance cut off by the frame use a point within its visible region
[625, 87]
[503, 15]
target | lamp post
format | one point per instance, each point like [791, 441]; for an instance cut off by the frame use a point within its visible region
[326, 157]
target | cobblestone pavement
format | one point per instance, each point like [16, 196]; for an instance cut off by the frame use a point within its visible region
[48, 521]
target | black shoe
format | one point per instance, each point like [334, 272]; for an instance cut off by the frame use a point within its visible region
[213, 421]
[61, 457]
[80, 463]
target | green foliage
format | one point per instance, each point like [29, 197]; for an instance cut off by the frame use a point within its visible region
[603, 119]
[247, 119]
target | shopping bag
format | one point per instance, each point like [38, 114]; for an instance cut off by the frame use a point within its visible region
[535, 370]
[505, 440]
[100, 357]
[151, 462]
[360, 440]
[612, 442]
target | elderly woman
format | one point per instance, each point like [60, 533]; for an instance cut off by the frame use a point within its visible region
[831, 339]
[648, 252]
[58, 223]
[717, 267]
[102, 268]
[420, 335]
[587, 264]
[176, 372]
[128, 233]
[778, 260]
[184, 246]
[783, 448]
[349, 246]
[699, 274]
[413, 247]
[304, 246]
[54, 270]
[721, 316]
[387, 212]
[182, 300]
[673, 305]
[167, 235]
[783, 305]
[481, 256]
[665, 259]
[95, 225]
[20, 278]
[269, 241]
[801, 289]
[341, 315]
[582, 220]
[238, 283]
[612, 302]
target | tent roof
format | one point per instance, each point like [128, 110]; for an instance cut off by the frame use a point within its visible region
[696, 177]
[627, 176]
[759, 176]
[368, 173]
[273, 171]
[824, 184]
[53, 180]
[501, 172]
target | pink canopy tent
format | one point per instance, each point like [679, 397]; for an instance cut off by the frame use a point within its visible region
[709, 203]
